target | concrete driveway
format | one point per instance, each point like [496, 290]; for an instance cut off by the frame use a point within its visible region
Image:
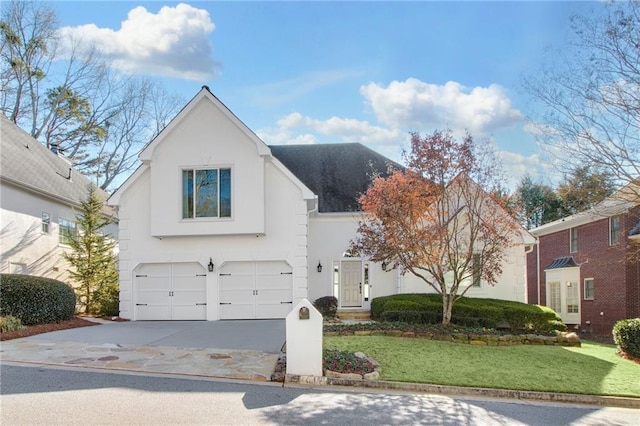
[258, 335]
[228, 349]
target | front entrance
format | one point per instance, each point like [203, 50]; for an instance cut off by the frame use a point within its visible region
[351, 283]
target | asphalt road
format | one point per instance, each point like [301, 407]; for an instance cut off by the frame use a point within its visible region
[50, 396]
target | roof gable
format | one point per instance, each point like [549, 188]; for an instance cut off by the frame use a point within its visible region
[337, 173]
[27, 163]
[147, 152]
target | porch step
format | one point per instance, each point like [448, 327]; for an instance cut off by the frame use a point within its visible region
[355, 314]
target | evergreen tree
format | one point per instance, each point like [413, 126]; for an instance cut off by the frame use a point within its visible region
[93, 260]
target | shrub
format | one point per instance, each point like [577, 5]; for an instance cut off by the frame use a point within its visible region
[468, 311]
[409, 317]
[10, 323]
[36, 300]
[107, 299]
[327, 305]
[626, 334]
[345, 362]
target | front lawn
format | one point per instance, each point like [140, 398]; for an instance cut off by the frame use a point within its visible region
[593, 368]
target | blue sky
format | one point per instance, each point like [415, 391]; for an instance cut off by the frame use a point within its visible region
[323, 72]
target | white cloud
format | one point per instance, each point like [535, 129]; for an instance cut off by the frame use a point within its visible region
[281, 92]
[174, 42]
[415, 105]
[517, 165]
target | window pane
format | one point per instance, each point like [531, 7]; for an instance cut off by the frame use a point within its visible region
[554, 296]
[67, 231]
[572, 298]
[573, 243]
[588, 289]
[614, 230]
[206, 193]
[225, 192]
[187, 194]
[46, 220]
[476, 270]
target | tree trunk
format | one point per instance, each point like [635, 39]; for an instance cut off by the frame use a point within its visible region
[447, 305]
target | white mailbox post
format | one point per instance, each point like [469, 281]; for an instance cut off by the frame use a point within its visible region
[304, 340]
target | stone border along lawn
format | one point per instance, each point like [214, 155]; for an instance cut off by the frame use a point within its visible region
[476, 337]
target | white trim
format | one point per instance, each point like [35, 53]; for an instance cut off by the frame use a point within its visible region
[584, 288]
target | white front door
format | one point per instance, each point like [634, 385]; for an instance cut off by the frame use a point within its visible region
[351, 284]
[255, 290]
[171, 291]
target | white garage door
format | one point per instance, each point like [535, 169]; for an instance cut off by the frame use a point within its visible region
[250, 290]
[171, 291]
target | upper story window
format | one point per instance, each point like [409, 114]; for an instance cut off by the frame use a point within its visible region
[206, 193]
[573, 240]
[614, 230]
[46, 222]
[68, 231]
[476, 270]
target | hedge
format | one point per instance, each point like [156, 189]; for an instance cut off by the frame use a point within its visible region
[474, 312]
[36, 300]
[626, 334]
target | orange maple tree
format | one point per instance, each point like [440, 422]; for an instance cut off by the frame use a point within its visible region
[439, 218]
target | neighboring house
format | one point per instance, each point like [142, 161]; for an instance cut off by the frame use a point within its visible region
[586, 267]
[215, 225]
[40, 195]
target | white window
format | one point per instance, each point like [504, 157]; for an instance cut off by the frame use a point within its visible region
[477, 269]
[588, 289]
[573, 298]
[554, 296]
[17, 268]
[336, 280]
[614, 230]
[46, 222]
[365, 287]
[68, 231]
[573, 240]
[206, 193]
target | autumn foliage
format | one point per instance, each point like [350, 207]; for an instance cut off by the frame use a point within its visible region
[438, 219]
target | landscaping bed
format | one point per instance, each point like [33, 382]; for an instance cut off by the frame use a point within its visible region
[32, 330]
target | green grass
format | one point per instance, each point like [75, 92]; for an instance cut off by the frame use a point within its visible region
[593, 368]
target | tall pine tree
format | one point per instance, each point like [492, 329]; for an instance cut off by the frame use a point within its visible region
[93, 259]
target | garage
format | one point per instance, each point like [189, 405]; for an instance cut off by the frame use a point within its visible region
[255, 290]
[170, 291]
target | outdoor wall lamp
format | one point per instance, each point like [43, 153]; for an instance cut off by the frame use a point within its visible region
[319, 267]
[210, 265]
[384, 266]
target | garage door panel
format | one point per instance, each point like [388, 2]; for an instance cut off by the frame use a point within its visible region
[189, 312]
[267, 282]
[171, 292]
[272, 310]
[237, 311]
[153, 312]
[272, 267]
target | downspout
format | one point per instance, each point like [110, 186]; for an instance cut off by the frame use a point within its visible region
[528, 249]
[538, 268]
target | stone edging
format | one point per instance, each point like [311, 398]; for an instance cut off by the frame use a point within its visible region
[563, 339]
[374, 375]
[608, 401]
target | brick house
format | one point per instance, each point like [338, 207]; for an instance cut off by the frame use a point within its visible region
[586, 266]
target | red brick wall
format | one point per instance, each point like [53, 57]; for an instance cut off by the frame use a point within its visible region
[616, 280]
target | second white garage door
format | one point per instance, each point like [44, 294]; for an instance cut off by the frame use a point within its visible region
[171, 291]
[255, 290]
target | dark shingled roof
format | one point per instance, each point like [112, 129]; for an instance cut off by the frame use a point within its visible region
[26, 162]
[337, 173]
[562, 262]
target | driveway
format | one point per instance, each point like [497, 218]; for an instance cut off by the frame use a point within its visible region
[246, 349]
[258, 335]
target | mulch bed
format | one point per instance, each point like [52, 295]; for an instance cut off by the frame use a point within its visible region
[31, 330]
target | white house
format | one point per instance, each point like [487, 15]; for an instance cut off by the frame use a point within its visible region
[40, 195]
[215, 225]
